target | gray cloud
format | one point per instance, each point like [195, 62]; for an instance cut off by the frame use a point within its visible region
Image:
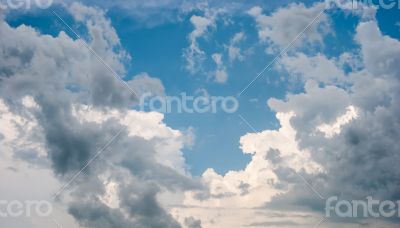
[274, 224]
[191, 222]
[59, 73]
[361, 160]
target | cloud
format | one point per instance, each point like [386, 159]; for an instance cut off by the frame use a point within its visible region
[380, 53]
[361, 152]
[318, 68]
[191, 222]
[194, 55]
[137, 201]
[278, 224]
[65, 105]
[331, 130]
[285, 24]
[246, 190]
[157, 12]
[24, 165]
[144, 83]
[59, 106]
[234, 52]
[220, 75]
[338, 137]
[357, 155]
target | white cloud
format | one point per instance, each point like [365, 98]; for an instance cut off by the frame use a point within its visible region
[217, 217]
[333, 129]
[234, 52]
[241, 191]
[285, 24]
[149, 126]
[220, 74]
[318, 68]
[103, 36]
[194, 55]
[380, 53]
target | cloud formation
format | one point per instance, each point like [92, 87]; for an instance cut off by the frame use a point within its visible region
[220, 74]
[194, 55]
[284, 25]
[70, 105]
[337, 137]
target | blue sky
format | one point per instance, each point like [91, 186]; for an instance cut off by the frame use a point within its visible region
[217, 135]
[214, 133]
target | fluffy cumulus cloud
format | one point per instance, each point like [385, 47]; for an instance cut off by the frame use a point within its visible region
[61, 107]
[317, 68]
[236, 198]
[295, 24]
[338, 137]
[359, 151]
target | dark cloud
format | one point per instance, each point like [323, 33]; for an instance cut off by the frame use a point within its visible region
[143, 206]
[93, 213]
[274, 156]
[244, 187]
[360, 161]
[191, 222]
[59, 73]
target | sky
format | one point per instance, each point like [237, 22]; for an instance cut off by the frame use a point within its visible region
[199, 114]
